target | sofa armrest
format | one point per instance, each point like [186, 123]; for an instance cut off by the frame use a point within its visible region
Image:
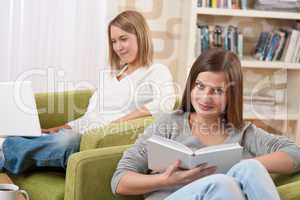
[89, 174]
[115, 134]
[289, 191]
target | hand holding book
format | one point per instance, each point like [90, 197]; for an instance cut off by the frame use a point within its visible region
[174, 175]
[162, 152]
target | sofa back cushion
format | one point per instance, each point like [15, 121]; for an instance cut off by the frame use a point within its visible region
[115, 134]
[60, 107]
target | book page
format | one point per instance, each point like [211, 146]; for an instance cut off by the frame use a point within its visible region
[215, 148]
[171, 144]
[223, 159]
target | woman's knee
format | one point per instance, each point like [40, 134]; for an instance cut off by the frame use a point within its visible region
[69, 139]
[217, 186]
[251, 164]
[222, 180]
[248, 167]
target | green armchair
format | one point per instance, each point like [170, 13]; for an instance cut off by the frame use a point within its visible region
[56, 184]
[89, 171]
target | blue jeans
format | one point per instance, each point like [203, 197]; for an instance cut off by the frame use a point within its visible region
[53, 150]
[246, 180]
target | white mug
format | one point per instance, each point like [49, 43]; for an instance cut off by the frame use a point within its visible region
[11, 192]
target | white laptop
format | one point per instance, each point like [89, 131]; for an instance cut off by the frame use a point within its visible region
[18, 112]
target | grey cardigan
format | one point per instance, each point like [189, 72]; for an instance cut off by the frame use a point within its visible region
[175, 126]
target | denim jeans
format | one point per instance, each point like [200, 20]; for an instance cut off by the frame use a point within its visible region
[53, 150]
[247, 180]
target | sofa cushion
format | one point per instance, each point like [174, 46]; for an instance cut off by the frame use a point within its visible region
[282, 179]
[42, 185]
[115, 134]
[289, 191]
[58, 108]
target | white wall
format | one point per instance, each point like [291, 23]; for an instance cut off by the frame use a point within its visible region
[57, 44]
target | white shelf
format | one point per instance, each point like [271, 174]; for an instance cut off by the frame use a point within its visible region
[249, 13]
[249, 62]
[264, 112]
[253, 116]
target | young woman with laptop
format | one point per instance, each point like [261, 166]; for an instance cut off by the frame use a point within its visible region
[133, 87]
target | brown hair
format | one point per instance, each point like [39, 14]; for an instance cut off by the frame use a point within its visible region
[219, 60]
[132, 22]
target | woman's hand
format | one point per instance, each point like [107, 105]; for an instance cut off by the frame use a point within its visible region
[175, 176]
[51, 130]
[55, 129]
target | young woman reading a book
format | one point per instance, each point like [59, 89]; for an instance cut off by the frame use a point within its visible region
[133, 87]
[211, 113]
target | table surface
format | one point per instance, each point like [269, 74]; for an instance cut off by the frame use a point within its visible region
[5, 179]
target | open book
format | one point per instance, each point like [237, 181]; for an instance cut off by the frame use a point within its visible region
[163, 152]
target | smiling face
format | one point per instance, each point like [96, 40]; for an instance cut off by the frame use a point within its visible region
[124, 45]
[215, 69]
[208, 96]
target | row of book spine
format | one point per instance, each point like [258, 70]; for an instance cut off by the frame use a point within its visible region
[281, 45]
[227, 37]
[230, 4]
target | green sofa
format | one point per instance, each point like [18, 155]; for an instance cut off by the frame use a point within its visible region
[89, 171]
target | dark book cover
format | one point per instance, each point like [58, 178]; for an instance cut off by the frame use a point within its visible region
[260, 46]
[274, 44]
[267, 45]
[287, 35]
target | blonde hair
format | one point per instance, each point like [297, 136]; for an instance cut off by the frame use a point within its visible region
[132, 22]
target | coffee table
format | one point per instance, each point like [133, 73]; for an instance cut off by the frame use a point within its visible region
[5, 179]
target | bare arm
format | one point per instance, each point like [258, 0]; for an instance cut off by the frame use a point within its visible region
[56, 129]
[277, 162]
[277, 153]
[133, 183]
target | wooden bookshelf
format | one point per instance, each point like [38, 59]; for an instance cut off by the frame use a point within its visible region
[249, 13]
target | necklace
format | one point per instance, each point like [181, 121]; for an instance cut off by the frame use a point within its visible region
[124, 68]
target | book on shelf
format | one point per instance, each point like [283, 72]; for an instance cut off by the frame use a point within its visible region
[277, 5]
[240, 45]
[163, 152]
[244, 4]
[281, 45]
[291, 48]
[272, 47]
[214, 3]
[230, 4]
[227, 37]
[279, 50]
[235, 4]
